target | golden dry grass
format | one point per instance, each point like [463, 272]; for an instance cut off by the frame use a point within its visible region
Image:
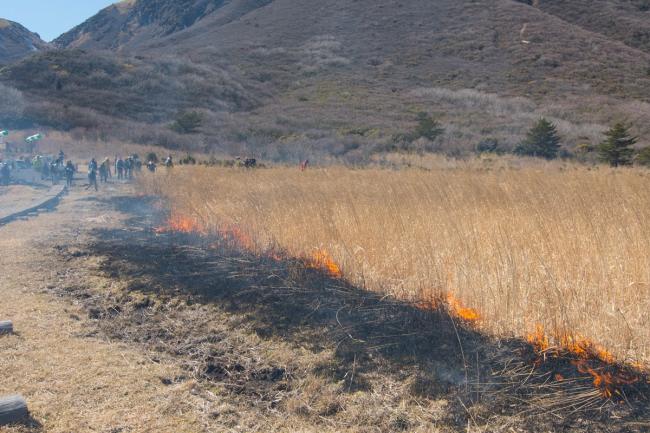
[555, 246]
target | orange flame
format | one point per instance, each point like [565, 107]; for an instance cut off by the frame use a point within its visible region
[607, 382]
[587, 353]
[460, 311]
[321, 259]
[453, 305]
[575, 344]
[181, 224]
[539, 339]
[239, 237]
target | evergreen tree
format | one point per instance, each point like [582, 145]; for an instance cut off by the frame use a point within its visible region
[643, 157]
[427, 127]
[187, 123]
[541, 141]
[617, 149]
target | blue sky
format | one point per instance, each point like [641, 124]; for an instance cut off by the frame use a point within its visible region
[50, 18]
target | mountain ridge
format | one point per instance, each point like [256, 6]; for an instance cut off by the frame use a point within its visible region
[17, 42]
[318, 74]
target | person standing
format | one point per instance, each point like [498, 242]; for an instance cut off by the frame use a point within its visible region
[119, 166]
[69, 173]
[92, 174]
[5, 173]
[104, 171]
[128, 168]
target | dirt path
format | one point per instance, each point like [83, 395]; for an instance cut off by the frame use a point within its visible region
[16, 198]
[123, 329]
[75, 382]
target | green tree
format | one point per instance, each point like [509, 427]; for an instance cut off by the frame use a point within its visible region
[187, 123]
[542, 141]
[617, 149]
[427, 127]
[643, 157]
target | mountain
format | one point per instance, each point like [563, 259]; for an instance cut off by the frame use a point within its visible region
[346, 77]
[16, 42]
[627, 21]
[132, 23]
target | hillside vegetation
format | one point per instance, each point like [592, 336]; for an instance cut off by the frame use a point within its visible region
[293, 79]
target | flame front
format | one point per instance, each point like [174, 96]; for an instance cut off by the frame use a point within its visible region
[181, 224]
[575, 344]
[453, 305]
[585, 352]
[539, 339]
[321, 259]
[608, 378]
[460, 311]
[238, 237]
[607, 382]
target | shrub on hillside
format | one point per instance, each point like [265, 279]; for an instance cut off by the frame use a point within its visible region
[542, 141]
[488, 145]
[427, 127]
[618, 147]
[187, 123]
[421, 139]
[643, 157]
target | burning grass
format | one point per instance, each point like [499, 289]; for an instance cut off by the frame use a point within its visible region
[561, 250]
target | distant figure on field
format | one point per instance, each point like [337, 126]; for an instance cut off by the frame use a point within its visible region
[151, 166]
[92, 174]
[169, 163]
[5, 173]
[304, 164]
[137, 164]
[37, 164]
[128, 168]
[54, 171]
[45, 173]
[119, 167]
[69, 174]
[105, 171]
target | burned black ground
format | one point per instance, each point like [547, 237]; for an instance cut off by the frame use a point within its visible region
[218, 311]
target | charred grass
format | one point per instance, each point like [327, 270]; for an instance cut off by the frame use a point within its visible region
[296, 349]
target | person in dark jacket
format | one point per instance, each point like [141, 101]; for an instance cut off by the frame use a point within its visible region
[69, 173]
[92, 174]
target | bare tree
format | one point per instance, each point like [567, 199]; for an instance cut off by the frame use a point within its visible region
[12, 103]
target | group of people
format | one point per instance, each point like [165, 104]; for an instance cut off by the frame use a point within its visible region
[56, 168]
[124, 169]
[49, 168]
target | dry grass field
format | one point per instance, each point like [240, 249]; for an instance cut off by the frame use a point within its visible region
[554, 253]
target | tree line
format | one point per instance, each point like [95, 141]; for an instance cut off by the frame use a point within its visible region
[617, 149]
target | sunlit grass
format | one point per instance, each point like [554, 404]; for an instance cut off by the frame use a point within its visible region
[564, 248]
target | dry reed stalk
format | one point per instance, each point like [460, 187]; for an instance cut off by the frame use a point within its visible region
[564, 248]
